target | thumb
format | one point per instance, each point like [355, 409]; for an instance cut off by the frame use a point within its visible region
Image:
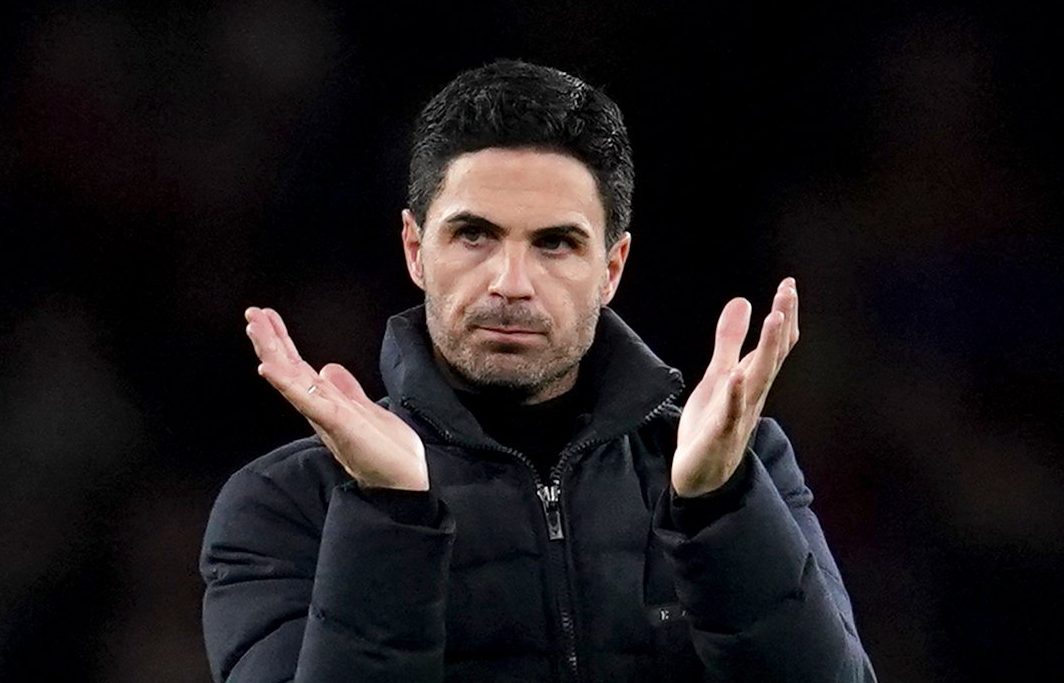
[345, 382]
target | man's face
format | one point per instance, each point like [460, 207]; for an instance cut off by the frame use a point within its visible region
[513, 262]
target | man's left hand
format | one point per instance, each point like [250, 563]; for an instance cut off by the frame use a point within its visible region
[723, 409]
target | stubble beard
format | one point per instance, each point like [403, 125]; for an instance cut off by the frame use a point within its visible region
[517, 375]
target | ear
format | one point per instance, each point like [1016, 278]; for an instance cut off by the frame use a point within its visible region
[412, 248]
[615, 261]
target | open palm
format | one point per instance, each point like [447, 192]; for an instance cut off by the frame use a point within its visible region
[374, 445]
[723, 409]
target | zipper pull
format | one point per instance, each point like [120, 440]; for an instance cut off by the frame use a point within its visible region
[548, 495]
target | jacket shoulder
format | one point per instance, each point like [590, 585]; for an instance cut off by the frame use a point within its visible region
[658, 435]
[284, 493]
[282, 460]
[304, 470]
[772, 447]
[259, 554]
[768, 442]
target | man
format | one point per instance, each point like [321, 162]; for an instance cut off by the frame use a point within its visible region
[528, 503]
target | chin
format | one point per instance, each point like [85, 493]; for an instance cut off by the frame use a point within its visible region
[500, 378]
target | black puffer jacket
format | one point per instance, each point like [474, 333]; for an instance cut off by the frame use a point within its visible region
[583, 577]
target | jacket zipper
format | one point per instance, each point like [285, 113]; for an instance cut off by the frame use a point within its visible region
[552, 509]
[550, 496]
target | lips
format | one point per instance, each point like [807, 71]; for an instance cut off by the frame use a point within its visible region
[510, 330]
[511, 335]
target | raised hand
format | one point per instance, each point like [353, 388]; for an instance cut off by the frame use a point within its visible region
[723, 409]
[375, 447]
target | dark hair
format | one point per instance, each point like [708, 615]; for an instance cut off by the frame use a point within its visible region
[513, 104]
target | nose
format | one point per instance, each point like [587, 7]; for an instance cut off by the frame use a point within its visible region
[511, 278]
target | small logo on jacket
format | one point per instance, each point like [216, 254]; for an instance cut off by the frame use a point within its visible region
[663, 614]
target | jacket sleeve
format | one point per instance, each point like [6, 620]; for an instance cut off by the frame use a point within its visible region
[359, 597]
[761, 590]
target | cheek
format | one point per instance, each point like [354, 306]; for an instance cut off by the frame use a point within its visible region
[574, 291]
[455, 267]
[571, 274]
[442, 268]
[450, 282]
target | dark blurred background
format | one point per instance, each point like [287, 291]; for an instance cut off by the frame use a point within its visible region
[162, 167]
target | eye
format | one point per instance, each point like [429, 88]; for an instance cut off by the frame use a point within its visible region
[556, 243]
[470, 234]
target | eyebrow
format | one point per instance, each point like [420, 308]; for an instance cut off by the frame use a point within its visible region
[566, 229]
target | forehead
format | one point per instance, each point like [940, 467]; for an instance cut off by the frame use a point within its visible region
[520, 189]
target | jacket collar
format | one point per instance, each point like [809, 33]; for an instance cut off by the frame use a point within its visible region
[626, 381]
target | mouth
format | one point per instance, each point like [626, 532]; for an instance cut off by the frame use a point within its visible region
[510, 333]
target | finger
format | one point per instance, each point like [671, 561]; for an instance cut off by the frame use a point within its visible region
[314, 396]
[261, 334]
[732, 326]
[274, 351]
[270, 350]
[792, 336]
[783, 303]
[287, 374]
[763, 362]
[281, 331]
[343, 380]
[733, 411]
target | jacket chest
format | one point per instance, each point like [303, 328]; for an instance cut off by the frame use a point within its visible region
[512, 580]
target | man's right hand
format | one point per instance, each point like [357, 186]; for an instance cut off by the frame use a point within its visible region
[375, 447]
